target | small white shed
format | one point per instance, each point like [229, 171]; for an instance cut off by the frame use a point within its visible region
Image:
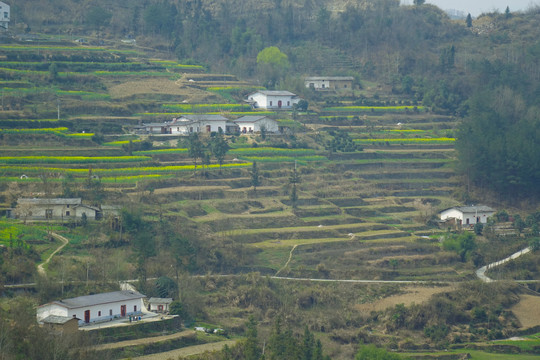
[273, 99]
[252, 124]
[160, 305]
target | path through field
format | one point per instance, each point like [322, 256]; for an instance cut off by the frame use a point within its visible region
[188, 351]
[481, 273]
[65, 241]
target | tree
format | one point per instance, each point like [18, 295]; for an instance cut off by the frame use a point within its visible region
[255, 178]
[196, 148]
[272, 65]
[419, 2]
[293, 180]
[97, 17]
[371, 352]
[468, 20]
[507, 13]
[251, 346]
[219, 148]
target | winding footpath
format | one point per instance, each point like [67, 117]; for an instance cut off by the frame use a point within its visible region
[481, 273]
[41, 267]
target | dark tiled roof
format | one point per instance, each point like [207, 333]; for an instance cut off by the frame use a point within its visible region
[334, 78]
[275, 93]
[55, 319]
[97, 299]
[56, 201]
[205, 117]
[154, 300]
[250, 118]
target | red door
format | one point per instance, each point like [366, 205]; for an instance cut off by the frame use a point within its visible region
[87, 316]
[123, 310]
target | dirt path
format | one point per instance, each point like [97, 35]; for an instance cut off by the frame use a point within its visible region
[288, 261]
[65, 241]
[144, 341]
[187, 351]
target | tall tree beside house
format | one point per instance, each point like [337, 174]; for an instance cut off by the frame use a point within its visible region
[219, 148]
[196, 148]
[272, 65]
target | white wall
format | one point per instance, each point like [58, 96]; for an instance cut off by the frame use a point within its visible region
[271, 101]
[105, 309]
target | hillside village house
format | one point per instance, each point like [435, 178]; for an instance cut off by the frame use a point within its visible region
[329, 82]
[92, 308]
[160, 305]
[59, 209]
[5, 14]
[468, 215]
[272, 99]
[254, 123]
[189, 124]
[62, 324]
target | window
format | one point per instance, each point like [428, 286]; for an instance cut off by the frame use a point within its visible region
[134, 308]
[67, 213]
[48, 213]
[270, 103]
[99, 313]
[345, 86]
[288, 103]
[110, 312]
[67, 206]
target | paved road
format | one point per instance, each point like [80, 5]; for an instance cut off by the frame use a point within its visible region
[481, 273]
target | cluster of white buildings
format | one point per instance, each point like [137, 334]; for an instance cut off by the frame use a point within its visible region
[189, 124]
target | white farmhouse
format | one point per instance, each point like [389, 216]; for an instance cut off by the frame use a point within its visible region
[254, 123]
[189, 124]
[468, 215]
[273, 99]
[5, 14]
[57, 208]
[329, 82]
[92, 308]
[160, 305]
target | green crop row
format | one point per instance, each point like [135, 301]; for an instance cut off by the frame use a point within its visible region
[444, 140]
[270, 151]
[187, 107]
[70, 159]
[120, 142]
[161, 151]
[300, 159]
[53, 131]
[62, 48]
[207, 113]
[375, 108]
[142, 170]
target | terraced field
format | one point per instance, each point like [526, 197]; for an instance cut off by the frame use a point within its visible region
[359, 214]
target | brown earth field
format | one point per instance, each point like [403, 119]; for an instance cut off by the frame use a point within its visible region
[159, 86]
[527, 311]
[410, 295]
[187, 351]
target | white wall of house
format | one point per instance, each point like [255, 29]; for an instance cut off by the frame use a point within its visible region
[323, 83]
[5, 15]
[49, 211]
[466, 218]
[98, 312]
[265, 101]
[207, 126]
[270, 125]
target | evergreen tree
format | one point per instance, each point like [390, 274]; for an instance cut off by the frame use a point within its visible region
[219, 148]
[255, 178]
[468, 20]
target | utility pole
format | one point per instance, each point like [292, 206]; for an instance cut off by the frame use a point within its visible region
[58, 108]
